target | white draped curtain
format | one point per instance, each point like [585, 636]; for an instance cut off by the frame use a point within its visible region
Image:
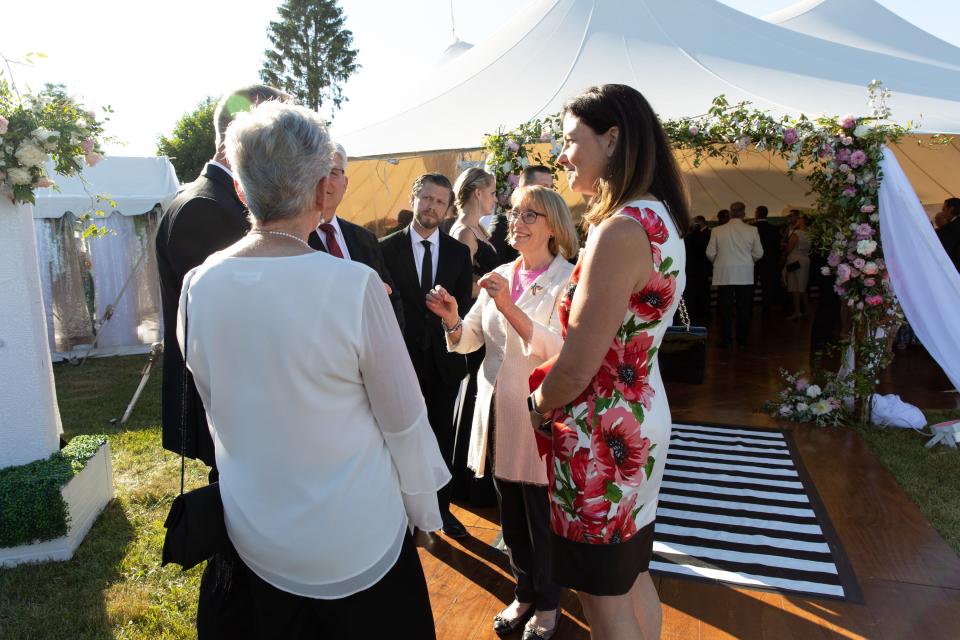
[923, 277]
[80, 279]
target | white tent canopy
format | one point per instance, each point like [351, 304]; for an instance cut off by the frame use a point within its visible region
[85, 280]
[136, 185]
[866, 24]
[679, 53]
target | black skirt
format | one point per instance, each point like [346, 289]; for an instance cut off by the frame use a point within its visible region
[602, 569]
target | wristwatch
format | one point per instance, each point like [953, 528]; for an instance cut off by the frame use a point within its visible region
[532, 406]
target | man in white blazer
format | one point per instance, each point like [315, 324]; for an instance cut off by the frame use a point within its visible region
[733, 249]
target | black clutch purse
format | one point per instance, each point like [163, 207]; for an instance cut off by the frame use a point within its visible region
[683, 351]
[195, 527]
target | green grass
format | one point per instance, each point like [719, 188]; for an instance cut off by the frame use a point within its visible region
[114, 586]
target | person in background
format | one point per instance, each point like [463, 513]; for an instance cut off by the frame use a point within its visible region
[294, 344]
[949, 231]
[475, 193]
[723, 217]
[768, 267]
[604, 481]
[449, 219]
[404, 218]
[524, 293]
[698, 271]
[342, 238]
[733, 250]
[499, 225]
[419, 258]
[797, 268]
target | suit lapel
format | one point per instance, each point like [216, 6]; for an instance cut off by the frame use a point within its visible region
[408, 268]
[350, 240]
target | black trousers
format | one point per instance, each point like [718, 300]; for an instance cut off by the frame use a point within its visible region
[398, 605]
[697, 296]
[739, 297]
[441, 398]
[525, 519]
[769, 277]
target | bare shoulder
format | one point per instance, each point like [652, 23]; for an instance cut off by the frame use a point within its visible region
[620, 232]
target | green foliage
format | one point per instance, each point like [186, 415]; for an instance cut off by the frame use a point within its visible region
[510, 152]
[31, 506]
[311, 56]
[191, 143]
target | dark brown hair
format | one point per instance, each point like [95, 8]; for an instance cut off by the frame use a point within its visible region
[642, 160]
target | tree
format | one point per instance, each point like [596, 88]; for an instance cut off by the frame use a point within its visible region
[191, 143]
[311, 56]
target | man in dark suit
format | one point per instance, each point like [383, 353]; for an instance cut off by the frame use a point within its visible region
[344, 239]
[204, 217]
[698, 270]
[949, 231]
[535, 174]
[420, 258]
[768, 267]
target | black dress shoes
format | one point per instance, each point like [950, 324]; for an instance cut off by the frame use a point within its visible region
[502, 626]
[536, 632]
[453, 527]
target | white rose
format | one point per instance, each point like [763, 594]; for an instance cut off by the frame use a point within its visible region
[18, 176]
[874, 217]
[801, 407]
[866, 247]
[861, 131]
[44, 135]
[825, 270]
[813, 391]
[820, 408]
[30, 155]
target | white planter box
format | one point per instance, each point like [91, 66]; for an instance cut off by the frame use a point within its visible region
[86, 496]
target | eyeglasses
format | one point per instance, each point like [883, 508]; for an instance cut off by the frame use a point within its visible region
[528, 217]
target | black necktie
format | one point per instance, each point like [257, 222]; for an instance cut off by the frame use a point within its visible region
[426, 269]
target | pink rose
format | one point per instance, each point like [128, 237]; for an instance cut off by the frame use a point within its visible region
[802, 384]
[693, 129]
[93, 158]
[789, 136]
[869, 282]
[513, 180]
[87, 145]
[870, 268]
[833, 259]
[843, 273]
[867, 208]
[512, 145]
[848, 121]
[3, 124]
[843, 155]
[826, 151]
[859, 264]
[874, 301]
[864, 231]
[849, 192]
[858, 158]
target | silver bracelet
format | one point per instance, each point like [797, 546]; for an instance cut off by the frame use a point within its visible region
[452, 329]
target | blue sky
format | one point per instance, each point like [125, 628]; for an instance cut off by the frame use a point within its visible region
[151, 62]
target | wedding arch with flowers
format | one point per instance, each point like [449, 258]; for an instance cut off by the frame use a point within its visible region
[37, 127]
[842, 156]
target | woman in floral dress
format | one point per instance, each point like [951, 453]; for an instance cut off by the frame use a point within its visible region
[603, 399]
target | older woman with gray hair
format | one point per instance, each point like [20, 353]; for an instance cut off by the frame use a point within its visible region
[325, 454]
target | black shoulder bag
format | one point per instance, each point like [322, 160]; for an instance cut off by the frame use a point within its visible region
[195, 526]
[683, 351]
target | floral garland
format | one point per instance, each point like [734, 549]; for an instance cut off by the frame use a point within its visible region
[509, 153]
[35, 128]
[843, 155]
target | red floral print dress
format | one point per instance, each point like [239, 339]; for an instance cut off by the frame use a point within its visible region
[609, 445]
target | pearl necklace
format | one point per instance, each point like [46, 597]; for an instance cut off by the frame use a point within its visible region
[282, 233]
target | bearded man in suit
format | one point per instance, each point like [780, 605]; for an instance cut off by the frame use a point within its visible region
[344, 239]
[420, 258]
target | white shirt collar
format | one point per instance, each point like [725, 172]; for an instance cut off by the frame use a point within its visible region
[433, 238]
[336, 225]
[223, 167]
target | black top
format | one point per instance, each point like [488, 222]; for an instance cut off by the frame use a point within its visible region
[485, 259]
[498, 238]
[949, 235]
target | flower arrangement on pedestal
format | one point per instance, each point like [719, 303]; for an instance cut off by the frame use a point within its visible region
[35, 128]
[843, 156]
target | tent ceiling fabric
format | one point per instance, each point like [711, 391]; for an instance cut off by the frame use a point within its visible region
[868, 25]
[135, 184]
[679, 53]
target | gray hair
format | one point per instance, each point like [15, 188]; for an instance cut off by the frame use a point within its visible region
[338, 150]
[279, 152]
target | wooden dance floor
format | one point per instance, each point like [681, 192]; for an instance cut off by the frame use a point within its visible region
[909, 577]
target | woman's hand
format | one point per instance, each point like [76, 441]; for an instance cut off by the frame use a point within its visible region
[497, 288]
[444, 305]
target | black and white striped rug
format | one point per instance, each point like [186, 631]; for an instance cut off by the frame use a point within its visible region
[737, 507]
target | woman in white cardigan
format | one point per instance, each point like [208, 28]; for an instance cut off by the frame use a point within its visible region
[515, 319]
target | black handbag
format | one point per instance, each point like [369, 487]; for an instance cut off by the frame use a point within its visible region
[195, 527]
[683, 351]
[792, 266]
